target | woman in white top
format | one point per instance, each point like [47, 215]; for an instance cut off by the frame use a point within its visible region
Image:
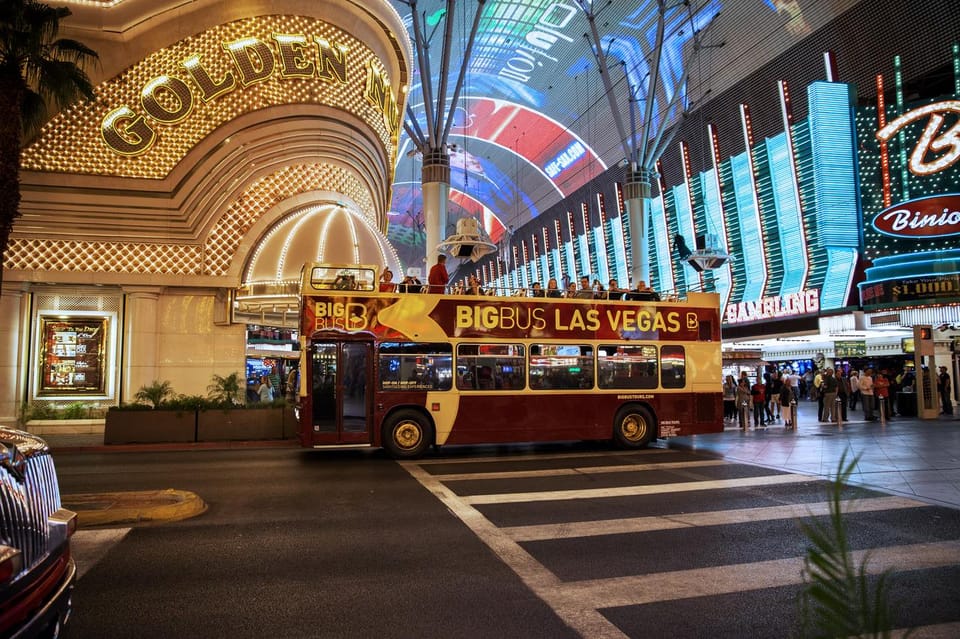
[854, 389]
[266, 389]
[866, 394]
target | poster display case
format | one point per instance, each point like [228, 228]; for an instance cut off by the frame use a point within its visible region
[72, 355]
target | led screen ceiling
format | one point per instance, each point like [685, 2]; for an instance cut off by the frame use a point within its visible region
[533, 123]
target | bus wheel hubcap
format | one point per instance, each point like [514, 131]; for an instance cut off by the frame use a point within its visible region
[633, 428]
[407, 435]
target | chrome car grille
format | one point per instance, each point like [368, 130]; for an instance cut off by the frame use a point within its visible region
[29, 495]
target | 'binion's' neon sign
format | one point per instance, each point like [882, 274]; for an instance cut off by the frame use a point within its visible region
[168, 99]
[947, 144]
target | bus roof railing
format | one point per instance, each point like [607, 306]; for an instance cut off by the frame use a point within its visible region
[366, 278]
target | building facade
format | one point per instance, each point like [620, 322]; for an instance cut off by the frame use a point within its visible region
[229, 143]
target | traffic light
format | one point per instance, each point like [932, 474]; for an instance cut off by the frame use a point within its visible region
[923, 339]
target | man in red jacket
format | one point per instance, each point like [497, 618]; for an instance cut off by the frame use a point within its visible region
[438, 277]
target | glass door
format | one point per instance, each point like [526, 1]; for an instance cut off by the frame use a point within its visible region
[340, 391]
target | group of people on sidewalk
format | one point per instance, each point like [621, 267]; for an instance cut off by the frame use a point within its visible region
[835, 391]
[773, 398]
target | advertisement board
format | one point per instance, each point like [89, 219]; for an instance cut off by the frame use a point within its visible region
[72, 355]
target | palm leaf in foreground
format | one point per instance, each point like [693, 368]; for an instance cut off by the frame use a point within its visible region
[837, 599]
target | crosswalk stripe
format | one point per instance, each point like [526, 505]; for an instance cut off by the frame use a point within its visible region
[570, 530]
[89, 546]
[934, 631]
[582, 470]
[631, 491]
[453, 461]
[719, 580]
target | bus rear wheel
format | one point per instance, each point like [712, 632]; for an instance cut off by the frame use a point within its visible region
[634, 427]
[407, 434]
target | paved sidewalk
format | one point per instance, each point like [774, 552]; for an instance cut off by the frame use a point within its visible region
[904, 456]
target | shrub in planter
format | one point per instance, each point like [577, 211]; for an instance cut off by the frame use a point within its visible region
[227, 391]
[154, 393]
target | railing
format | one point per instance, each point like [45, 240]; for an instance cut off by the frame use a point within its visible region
[493, 291]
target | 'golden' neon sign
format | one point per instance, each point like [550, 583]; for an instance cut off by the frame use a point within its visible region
[168, 99]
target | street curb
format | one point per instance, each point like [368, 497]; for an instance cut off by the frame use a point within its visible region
[60, 447]
[135, 507]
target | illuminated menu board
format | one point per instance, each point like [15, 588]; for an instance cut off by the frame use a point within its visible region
[72, 355]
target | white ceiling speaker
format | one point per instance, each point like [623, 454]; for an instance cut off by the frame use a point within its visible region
[468, 242]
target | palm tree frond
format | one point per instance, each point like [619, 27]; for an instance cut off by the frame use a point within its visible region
[837, 600]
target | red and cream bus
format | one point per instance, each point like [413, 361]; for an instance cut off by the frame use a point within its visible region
[410, 370]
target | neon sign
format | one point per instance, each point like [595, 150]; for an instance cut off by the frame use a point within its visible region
[936, 216]
[947, 143]
[168, 99]
[805, 302]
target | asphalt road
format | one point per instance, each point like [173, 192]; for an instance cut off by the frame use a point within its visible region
[497, 542]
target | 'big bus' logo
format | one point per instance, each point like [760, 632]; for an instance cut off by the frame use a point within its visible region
[346, 316]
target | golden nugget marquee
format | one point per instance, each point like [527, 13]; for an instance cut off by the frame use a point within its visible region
[227, 146]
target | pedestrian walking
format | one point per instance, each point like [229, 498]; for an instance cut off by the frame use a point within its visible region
[943, 387]
[866, 394]
[881, 392]
[774, 384]
[744, 397]
[758, 393]
[828, 394]
[730, 399]
[854, 389]
[786, 398]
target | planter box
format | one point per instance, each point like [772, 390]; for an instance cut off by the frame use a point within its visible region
[65, 426]
[291, 424]
[240, 424]
[150, 426]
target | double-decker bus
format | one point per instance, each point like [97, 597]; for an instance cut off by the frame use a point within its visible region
[409, 370]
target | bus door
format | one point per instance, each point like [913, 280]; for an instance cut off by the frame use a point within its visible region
[342, 374]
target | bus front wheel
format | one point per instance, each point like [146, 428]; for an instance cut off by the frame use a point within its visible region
[407, 434]
[634, 427]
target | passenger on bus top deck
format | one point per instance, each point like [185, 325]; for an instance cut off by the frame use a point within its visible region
[411, 284]
[473, 286]
[599, 293]
[585, 291]
[614, 292]
[387, 285]
[438, 277]
[552, 289]
[644, 293]
[537, 290]
[571, 290]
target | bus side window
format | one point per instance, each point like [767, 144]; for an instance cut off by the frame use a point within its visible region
[673, 367]
[414, 366]
[561, 366]
[490, 366]
[627, 367]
